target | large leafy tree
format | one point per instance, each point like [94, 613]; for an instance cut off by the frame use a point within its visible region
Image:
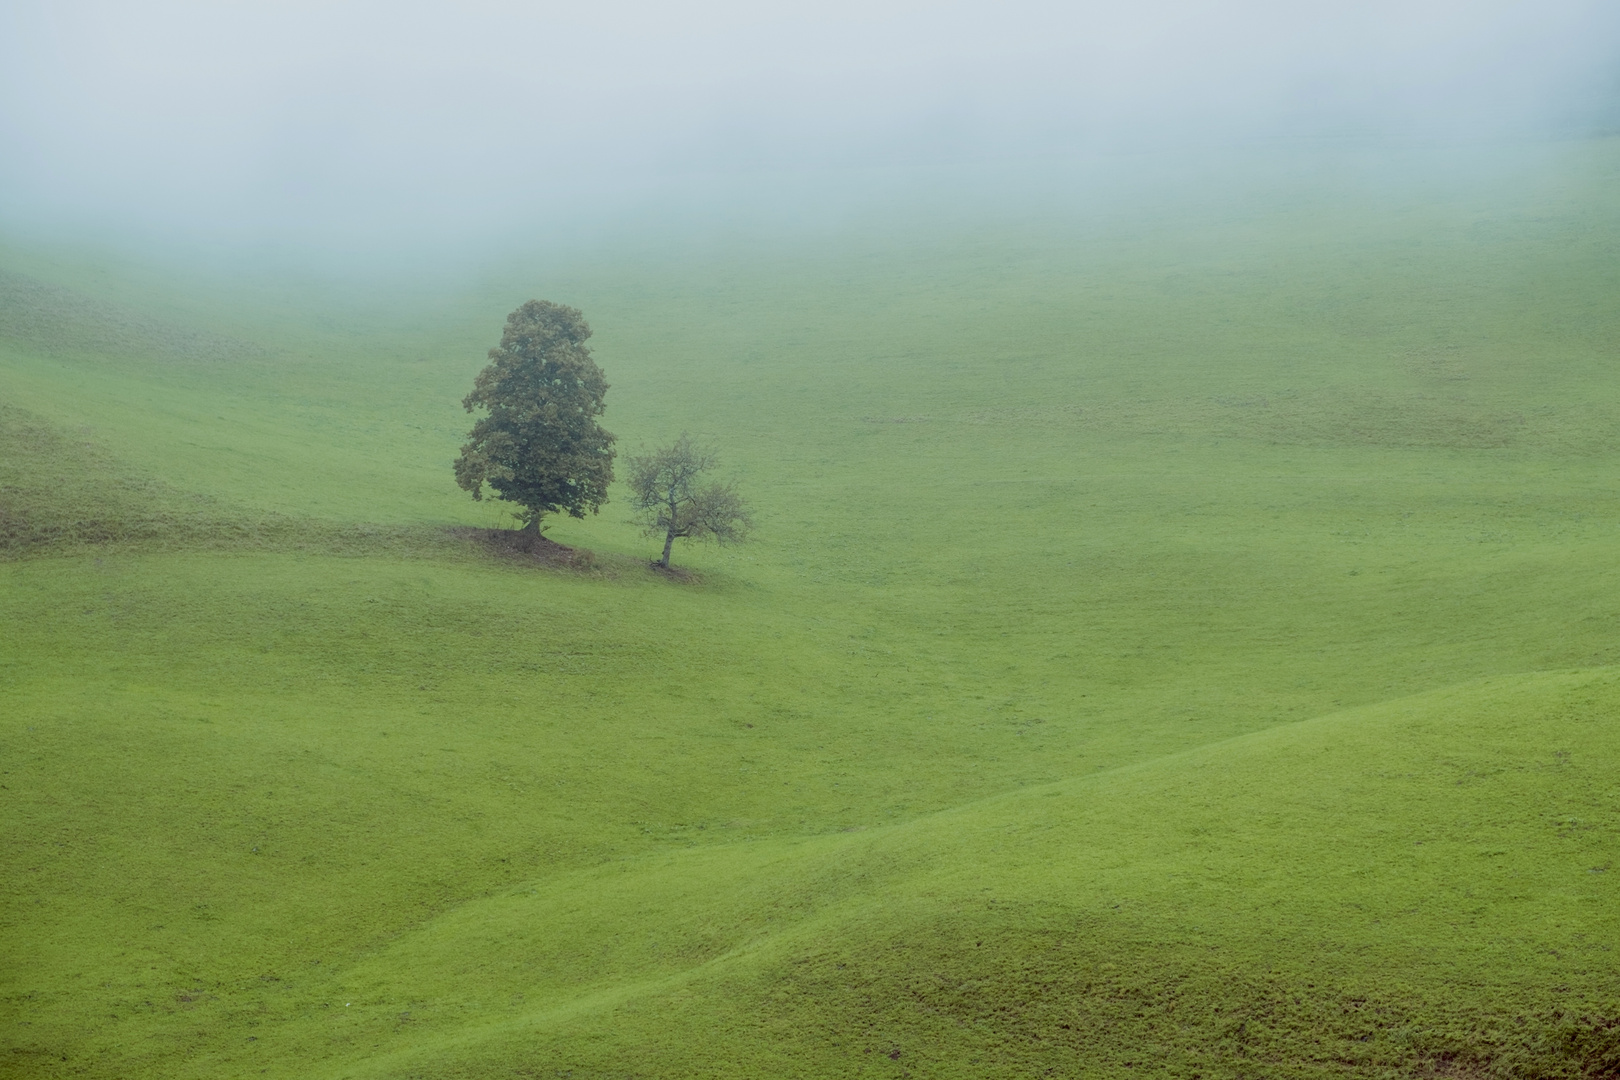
[672, 502]
[540, 445]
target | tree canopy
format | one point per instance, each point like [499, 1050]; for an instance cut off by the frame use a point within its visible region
[540, 445]
[670, 501]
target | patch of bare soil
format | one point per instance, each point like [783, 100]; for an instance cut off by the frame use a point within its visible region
[521, 546]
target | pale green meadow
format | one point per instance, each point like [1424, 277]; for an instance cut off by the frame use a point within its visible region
[1179, 639]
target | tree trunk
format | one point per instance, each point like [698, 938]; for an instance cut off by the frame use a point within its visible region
[674, 517]
[532, 525]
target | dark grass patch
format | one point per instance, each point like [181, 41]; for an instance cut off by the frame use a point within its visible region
[528, 548]
[60, 492]
[65, 495]
[1086, 1007]
[518, 548]
[685, 575]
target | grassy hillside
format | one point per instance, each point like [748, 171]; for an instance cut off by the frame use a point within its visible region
[1179, 640]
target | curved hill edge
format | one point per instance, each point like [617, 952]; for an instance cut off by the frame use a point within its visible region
[936, 878]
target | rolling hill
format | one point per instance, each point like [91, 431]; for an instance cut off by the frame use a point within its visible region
[1181, 640]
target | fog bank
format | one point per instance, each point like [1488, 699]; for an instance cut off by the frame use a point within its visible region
[362, 123]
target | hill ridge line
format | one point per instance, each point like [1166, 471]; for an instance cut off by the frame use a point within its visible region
[607, 996]
[866, 835]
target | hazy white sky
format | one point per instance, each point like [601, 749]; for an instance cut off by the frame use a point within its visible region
[288, 114]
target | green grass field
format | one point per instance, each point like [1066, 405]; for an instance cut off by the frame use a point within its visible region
[1182, 638]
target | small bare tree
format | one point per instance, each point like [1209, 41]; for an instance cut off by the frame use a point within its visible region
[670, 502]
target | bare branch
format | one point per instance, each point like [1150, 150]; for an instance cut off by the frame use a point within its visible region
[669, 503]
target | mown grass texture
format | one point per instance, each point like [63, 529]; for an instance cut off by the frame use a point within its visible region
[1176, 644]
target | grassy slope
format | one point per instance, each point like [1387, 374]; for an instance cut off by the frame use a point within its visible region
[1389, 907]
[1045, 512]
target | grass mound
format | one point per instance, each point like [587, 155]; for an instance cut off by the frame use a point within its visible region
[1417, 888]
[1424, 887]
[63, 496]
[523, 547]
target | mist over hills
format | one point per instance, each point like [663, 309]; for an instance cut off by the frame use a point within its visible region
[1180, 633]
[358, 126]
